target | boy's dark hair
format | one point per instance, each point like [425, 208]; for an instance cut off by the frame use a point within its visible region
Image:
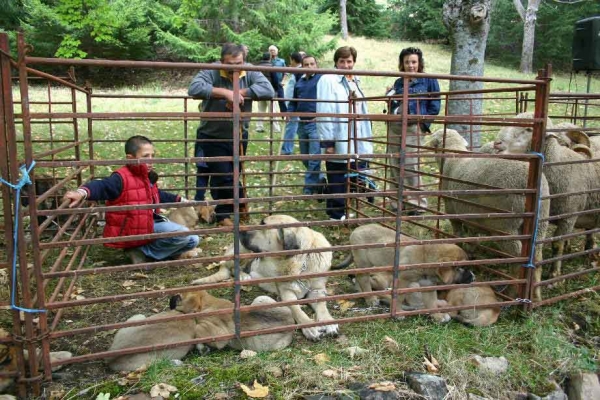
[231, 49]
[297, 57]
[409, 51]
[266, 57]
[133, 144]
[344, 52]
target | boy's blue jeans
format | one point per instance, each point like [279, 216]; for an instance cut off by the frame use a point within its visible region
[289, 136]
[163, 248]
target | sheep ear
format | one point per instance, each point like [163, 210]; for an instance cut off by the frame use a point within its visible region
[584, 150]
[578, 137]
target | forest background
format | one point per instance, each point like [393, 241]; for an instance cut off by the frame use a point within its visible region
[193, 30]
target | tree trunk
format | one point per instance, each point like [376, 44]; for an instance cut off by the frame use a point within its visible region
[343, 19]
[529, 17]
[468, 22]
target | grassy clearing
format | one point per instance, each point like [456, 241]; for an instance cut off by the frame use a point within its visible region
[547, 344]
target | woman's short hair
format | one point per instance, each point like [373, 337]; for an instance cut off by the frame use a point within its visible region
[344, 52]
[409, 51]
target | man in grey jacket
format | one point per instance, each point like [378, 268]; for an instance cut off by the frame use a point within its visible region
[215, 135]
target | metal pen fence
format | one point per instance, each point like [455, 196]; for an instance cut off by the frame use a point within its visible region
[71, 134]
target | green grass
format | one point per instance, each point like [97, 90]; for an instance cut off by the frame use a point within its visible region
[539, 346]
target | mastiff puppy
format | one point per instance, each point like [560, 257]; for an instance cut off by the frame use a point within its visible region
[472, 296]
[279, 239]
[412, 278]
[222, 324]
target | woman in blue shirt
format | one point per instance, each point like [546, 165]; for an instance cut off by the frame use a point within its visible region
[425, 100]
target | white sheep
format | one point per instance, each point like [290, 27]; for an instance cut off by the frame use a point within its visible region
[569, 178]
[501, 173]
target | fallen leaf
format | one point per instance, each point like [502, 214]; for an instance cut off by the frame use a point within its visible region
[330, 373]
[429, 366]
[321, 358]
[345, 305]
[163, 390]
[306, 351]
[79, 297]
[247, 354]
[384, 386]
[434, 361]
[139, 275]
[355, 351]
[155, 310]
[391, 344]
[127, 284]
[257, 392]
[103, 396]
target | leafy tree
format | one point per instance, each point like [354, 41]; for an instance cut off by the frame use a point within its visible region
[365, 17]
[422, 20]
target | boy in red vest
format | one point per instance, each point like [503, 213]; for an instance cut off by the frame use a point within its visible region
[136, 184]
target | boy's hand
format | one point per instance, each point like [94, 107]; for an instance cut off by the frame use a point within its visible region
[75, 197]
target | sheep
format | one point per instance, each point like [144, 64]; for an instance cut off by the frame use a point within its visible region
[499, 173]
[570, 178]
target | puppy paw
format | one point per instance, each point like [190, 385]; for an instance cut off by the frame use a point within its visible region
[188, 254]
[441, 318]
[313, 333]
[330, 330]
[372, 301]
[198, 281]
[202, 349]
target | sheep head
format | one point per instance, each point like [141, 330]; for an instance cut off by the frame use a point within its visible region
[516, 139]
[453, 140]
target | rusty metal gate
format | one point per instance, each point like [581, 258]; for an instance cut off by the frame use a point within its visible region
[51, 142]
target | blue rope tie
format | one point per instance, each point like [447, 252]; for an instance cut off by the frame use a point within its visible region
[530, 262]
[368, 182]
[25, 180]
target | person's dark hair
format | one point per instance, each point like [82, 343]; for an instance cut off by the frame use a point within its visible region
[344, 52]
[309, 56]
[407, 52]
[266, 57]
[297, 57]
[133, 144]
[231, 49]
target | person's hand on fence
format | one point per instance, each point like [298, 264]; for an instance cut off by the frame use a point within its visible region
[75, 197]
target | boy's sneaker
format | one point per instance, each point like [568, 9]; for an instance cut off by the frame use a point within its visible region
[136, 255]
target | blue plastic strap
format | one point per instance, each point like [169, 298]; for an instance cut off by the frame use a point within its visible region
[531, 261]
[25, 180]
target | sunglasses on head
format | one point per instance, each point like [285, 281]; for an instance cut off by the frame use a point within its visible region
[413, 50]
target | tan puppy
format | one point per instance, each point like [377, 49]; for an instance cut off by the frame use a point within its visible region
[415, 254]
[190, 216]
[216, 325]
[279, 239]
[8, 361]
[146, 335]
[472, 296]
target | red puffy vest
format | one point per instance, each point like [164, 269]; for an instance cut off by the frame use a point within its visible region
[136, 190]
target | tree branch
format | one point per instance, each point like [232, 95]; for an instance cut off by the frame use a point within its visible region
[520, 9]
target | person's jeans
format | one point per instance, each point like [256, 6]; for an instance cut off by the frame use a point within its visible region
[164, 248]
[289, 136]
[411, 179]
[336, 184]
[308, 139]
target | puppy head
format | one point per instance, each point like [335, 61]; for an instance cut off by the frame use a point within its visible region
[185, 216]
[206, 214]
[276, 239]
[190, 302]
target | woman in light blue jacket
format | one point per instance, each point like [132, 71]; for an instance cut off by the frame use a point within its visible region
[336, 134]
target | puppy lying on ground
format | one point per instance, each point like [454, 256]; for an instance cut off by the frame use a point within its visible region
[146, 335]
[415, 254]
[472, 296]
[216, 325]
[201, 327]
[190, 216]
[279, 239]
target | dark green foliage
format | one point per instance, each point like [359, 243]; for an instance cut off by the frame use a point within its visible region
[365, 17]
[553, 34]
[179, 30]
[417, 20]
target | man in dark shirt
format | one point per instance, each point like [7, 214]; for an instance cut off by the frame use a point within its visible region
[215, 135]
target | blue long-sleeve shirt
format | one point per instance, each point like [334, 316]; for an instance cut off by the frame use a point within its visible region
[110, 188]
[305, 89]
